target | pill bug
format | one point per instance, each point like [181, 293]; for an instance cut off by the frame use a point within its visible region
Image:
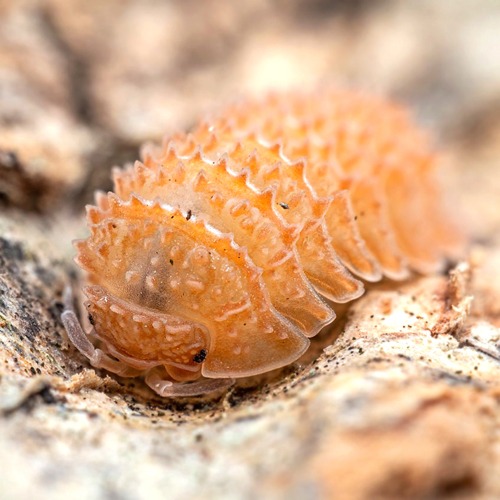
[220, 253]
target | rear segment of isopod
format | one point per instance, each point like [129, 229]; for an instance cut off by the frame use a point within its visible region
[372, 149]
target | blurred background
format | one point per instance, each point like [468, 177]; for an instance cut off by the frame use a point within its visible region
[84, 82]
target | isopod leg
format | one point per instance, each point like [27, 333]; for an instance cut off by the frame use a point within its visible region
[168, 388]
[78, 336]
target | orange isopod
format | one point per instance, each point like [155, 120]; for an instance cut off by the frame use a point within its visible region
[220, 253]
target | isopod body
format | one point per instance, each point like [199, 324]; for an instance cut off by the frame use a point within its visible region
[219, 254]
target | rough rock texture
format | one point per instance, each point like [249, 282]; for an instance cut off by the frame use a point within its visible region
[400, 400]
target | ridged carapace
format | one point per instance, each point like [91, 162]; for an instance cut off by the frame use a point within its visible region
[221, 252]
